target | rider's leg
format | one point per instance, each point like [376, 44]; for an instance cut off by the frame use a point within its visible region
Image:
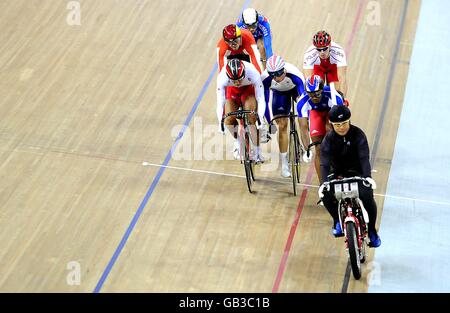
[366, 196]
[282, 134]
[317, 131]
[331, 204]
[250, 104]
[231, 122]
[317, 156]
[281, 105]
[282, 124]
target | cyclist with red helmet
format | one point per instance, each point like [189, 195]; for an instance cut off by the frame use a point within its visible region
[248, 92]
[328, 60]
[237, 43]
[314, 105]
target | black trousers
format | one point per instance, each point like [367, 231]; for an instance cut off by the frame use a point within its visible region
[366, 196]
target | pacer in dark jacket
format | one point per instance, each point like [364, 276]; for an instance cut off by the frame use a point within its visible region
[345, 153]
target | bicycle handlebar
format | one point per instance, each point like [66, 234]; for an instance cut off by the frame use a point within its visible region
[239, 114]
[344, 180]
[312, 144]
[281, 116]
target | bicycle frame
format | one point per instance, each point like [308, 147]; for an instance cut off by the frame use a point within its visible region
[352, 212]
[245, 140]
[349, 212]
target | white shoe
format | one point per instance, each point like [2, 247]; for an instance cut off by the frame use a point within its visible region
[237, 147]
[285, 170]
[259, 158]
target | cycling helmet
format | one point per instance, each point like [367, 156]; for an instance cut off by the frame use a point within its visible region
[314, 83]
[235, 69]
[250, 17]
[231, 32]
[321, 39]
[339, 113]
[275, 64]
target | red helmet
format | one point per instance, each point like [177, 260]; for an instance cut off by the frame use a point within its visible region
[321, 39]
[235, 69]
[231, 32]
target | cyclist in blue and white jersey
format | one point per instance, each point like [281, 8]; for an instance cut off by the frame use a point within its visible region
[259, 26]
[314, 104]
[282, 81]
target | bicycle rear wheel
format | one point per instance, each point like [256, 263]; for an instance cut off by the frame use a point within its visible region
[353, 249]
[252, 170]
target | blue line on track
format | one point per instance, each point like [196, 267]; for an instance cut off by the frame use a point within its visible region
[155, 181]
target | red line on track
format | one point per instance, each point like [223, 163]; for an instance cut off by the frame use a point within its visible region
[302, 200]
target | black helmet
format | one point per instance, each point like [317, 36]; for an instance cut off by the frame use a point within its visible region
[339, 113]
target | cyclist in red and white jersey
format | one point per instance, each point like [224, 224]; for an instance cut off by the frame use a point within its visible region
[328, 60]
[248, 91]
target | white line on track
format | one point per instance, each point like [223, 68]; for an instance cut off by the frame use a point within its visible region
[284, 181]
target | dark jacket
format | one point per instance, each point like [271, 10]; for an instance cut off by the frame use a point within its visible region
[341, 154]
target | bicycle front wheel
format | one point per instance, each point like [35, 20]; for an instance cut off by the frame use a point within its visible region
[293, 160]
[297, 156]
[245, 146]
[353, 249]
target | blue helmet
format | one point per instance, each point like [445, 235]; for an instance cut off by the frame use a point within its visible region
[314, 83]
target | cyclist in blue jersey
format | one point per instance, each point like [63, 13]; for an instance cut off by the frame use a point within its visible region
[282, 81]
[259, 26]
[314, 105]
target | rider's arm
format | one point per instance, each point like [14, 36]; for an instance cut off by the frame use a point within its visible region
[303, 108]
[337, 53]
[342, 83]
[299, 82]
[336, 98]
[253, 75]
[296, 76]
[267, 81]
[262, 52]
[222, 81]
[303, 121]
[325, 158]
[249, 45]
[267, 39]
[308, 61]
[259, 94]
[364, 154]
[220, 55]
[308, 72]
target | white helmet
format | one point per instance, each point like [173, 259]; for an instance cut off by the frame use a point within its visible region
[249, 16]
[275, 64]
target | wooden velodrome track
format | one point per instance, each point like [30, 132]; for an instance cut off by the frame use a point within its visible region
[83, 106]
